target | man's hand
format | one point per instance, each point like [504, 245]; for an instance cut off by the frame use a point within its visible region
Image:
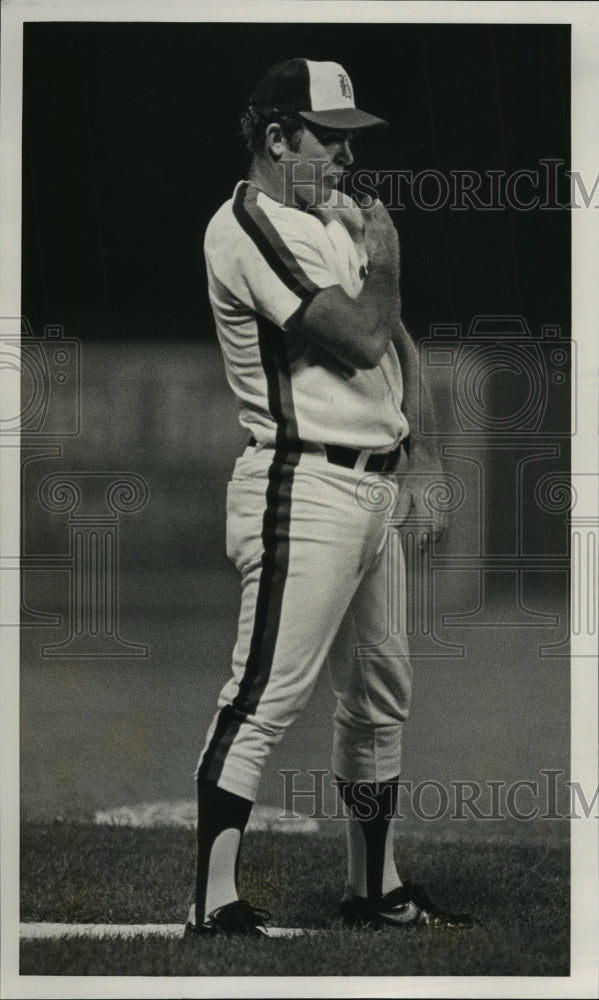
[357, 331]
[425, 489]
[421, 495]
[381, 240]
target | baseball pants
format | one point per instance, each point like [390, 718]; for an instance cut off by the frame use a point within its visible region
[314, 562]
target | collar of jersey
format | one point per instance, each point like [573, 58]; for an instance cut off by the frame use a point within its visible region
[308, 210]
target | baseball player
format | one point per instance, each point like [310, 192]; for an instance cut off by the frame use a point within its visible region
[303, 285]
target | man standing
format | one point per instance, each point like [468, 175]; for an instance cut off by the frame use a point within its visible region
[304, 286]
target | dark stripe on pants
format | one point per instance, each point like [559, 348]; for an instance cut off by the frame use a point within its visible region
[275, 556]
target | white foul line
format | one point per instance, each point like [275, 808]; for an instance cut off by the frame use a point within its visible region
[46, 931]
[37, 931]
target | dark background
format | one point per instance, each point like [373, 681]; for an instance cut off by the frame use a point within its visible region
[131, 142]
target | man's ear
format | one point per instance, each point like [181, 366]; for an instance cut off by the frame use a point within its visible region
[275, 143]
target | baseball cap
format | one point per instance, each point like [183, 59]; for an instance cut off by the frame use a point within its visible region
[320, 92]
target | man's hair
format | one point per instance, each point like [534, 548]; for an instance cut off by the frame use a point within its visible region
[254, 124]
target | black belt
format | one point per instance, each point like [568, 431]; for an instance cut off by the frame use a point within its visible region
[348, 457]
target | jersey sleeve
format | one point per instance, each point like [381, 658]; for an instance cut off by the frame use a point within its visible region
[283, 262]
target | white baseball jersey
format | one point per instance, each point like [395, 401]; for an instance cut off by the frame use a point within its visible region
[264, 261]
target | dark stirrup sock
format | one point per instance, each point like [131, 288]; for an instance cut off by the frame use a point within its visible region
[372, 806]
[218, 811]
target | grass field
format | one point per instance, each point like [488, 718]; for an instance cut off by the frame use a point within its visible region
[518, 892]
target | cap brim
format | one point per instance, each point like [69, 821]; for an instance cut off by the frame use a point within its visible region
[349, 118]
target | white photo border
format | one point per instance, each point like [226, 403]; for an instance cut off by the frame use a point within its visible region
[584, 20]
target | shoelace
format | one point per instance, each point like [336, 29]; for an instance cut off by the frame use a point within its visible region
[417, 893]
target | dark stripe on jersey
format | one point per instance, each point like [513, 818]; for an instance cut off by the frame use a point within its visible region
[255, 222]
[275, 555]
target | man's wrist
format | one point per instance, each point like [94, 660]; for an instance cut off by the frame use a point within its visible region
[384, 263]
[384, 284]
[424, 450]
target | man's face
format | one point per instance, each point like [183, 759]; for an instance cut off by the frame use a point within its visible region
[313, 171]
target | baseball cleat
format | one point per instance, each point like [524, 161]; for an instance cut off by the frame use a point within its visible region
[239, 917]
[406, 906]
